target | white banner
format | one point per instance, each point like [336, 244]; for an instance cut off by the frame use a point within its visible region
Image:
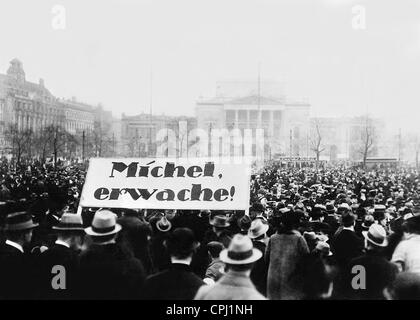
[156, 183]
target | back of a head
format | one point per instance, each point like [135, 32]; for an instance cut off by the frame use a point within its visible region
[412, 225]
[348, 219]
[181, 243]
[214, 248]
[406, 286]
[290, 220]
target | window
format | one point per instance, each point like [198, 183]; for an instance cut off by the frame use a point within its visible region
[265, 115]
[242, 116]
[276, 132]
[230, 115]
[253, 115]
[296, 133]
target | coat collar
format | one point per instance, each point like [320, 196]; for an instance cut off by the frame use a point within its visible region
[62, 243]
[14, 245]
[237, 279]
[180, 266]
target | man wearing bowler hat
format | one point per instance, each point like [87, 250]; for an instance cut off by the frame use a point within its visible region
[107, 270]
[17, 272]
[178, 282]
[236, 283]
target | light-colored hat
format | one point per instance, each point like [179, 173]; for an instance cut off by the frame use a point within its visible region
[240, 251]
[163, 224]
[379, 207]
[409, 204]
[345, 205]
[70, 222]
[258, 228]
[376, 235]
[368, 221]
[104, 224]
[310, 235]
[324, 248]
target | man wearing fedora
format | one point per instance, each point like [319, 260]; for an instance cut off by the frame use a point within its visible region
[160, 256]
[17, 274]
[220, 225]
[220, 233]
[236, 283]
[64, 252]
[107, 270]
[378, 271]
[178, 282]
[258, 234]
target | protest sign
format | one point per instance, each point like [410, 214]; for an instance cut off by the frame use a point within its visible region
[166, 184]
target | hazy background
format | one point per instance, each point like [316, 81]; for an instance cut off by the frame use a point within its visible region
[109, 48]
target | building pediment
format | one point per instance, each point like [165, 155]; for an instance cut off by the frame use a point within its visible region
[256, 100]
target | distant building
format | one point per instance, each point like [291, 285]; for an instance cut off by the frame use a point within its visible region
[29, 105]
[138, 133]
[26, 104]
[249, 105]
[78, 116]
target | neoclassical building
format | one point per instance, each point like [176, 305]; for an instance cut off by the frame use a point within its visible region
[242, 105]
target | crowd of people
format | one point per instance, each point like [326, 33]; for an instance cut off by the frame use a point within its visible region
[330, 233]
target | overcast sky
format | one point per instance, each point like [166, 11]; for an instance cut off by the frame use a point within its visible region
[108, 49]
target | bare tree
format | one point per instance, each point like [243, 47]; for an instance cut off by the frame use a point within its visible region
[316, 143]
[102, 141]
[98, 141]
[42, 143]
[58, 139]
[19, 141]
[72, 142]
[131, 146]
[367, 141]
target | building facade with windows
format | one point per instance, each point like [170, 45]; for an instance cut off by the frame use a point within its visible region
[31, 106]
[140, 133]
[78, 116]
[285, 123]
